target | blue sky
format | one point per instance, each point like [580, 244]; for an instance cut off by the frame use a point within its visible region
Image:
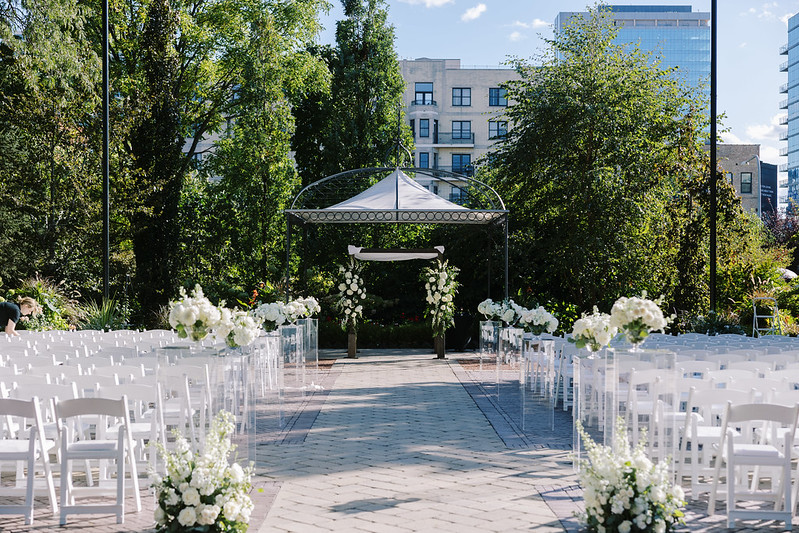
[487, 32]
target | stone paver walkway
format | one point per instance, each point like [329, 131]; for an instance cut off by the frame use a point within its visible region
[399, 445]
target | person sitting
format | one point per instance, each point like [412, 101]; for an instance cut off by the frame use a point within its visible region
[11, 313]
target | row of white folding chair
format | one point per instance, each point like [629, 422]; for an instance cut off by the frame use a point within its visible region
[26, 443]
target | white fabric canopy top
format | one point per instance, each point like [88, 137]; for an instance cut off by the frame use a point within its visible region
[397, 198]
[366, 254]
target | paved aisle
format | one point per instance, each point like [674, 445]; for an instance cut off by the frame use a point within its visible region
[400, 446]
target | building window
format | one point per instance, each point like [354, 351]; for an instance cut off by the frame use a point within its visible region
[746, 183]
[424, 160]
[461, 96]
[413, 128]
[497, 97]
[497, 129]
[424, 127]
[461, 163]
[730, 178]
[461, 129]
[424, 94]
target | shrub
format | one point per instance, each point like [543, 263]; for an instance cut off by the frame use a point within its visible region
[59, 310]
[107, 315]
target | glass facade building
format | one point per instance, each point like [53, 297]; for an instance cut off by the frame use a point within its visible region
[792, 105]
[676, 35]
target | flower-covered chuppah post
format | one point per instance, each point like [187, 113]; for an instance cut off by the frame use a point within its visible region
[441, 287]
[350, 303]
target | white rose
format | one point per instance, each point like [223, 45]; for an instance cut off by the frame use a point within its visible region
[236, 473]
[206, 514]
[187, 517]
[231, 510]
[342, 287]
[191, 496]
[159, 515]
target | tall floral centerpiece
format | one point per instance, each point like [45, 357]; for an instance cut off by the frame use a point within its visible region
[489, 309]
[637, 317]
[441, 286]
[350, 302]
[593, 331]
[193, 316]
[240, 329]
[203, 492]
[538, 320]
[271, 315]
[624, 491]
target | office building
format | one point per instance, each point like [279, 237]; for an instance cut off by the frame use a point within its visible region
[791, 104]
[676, 35]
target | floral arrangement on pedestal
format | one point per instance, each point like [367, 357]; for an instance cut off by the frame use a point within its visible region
[490, 309]
[271, 315]
[441, 286]
[510, 312]
[241, 329]
[593, 331]
[351, 296]
[538, 321]
[203, 492]
[637, 317]
[193, 316]
[624, 491]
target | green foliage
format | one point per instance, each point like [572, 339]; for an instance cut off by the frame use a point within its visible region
[109, 314]
[710, 324]
[373, 335]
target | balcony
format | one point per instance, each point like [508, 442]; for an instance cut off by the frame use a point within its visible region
[449, 138]
[424, 102]
[783, 167]
[784, 120]
[784, 151]
[783, 184]
[784, 50]
[784, 67]
[468, 170]
[784, 88]
[784, 104]
[783, 135]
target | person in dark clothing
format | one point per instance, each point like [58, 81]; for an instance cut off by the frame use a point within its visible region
[11, 313]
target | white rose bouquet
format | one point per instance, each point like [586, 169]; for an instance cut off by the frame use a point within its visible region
[271, 315]
[637, 317]
[193, 316]
[243, 330]
[624, 491]
[312, 306]
[351, 296]
[510, 312]
[441, 287]
[203, 492]
[538, 320]
[593, 331]
[489, 309]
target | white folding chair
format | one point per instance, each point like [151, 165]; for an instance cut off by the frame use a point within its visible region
[753, 452]
[22, 433]
[78, 445]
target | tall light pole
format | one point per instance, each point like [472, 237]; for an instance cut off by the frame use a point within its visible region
[106, 184]
[713, 83]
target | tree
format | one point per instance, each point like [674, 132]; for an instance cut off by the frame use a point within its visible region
[586, 168]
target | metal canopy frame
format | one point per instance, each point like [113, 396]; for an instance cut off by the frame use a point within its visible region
[479, 204]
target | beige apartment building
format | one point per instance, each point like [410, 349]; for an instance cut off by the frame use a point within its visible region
[455, 113]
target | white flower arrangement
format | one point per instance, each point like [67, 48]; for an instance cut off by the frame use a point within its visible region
[243, 331]
[351, 296]
[538, 320]
[203, 492]
[637, 317]
[623, 490]
[193, 316]
[271, 315]
[312, 306]
[593, 331]
[489, 309]
[441, 287]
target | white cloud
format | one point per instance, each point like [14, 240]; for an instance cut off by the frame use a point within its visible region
[729, 137]
[766, 132]
[516, 37]
[742, 45]
[428, 3]
[785, 17]
[536, 23]
[765, 11]
[473, 13]
[769, 154]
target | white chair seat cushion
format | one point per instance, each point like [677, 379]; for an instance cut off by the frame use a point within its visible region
[12, 448]
[92, 448]
[755, 450]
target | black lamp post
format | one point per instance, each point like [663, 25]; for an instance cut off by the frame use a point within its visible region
[713, 83]
[106, 201]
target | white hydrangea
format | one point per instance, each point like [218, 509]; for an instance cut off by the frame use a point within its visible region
[193, 316]
[637, 317]
[593, 331]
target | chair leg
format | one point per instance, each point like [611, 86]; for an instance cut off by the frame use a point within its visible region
[66, 478]
[29, 491]
[730, 491]
[121, 490]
